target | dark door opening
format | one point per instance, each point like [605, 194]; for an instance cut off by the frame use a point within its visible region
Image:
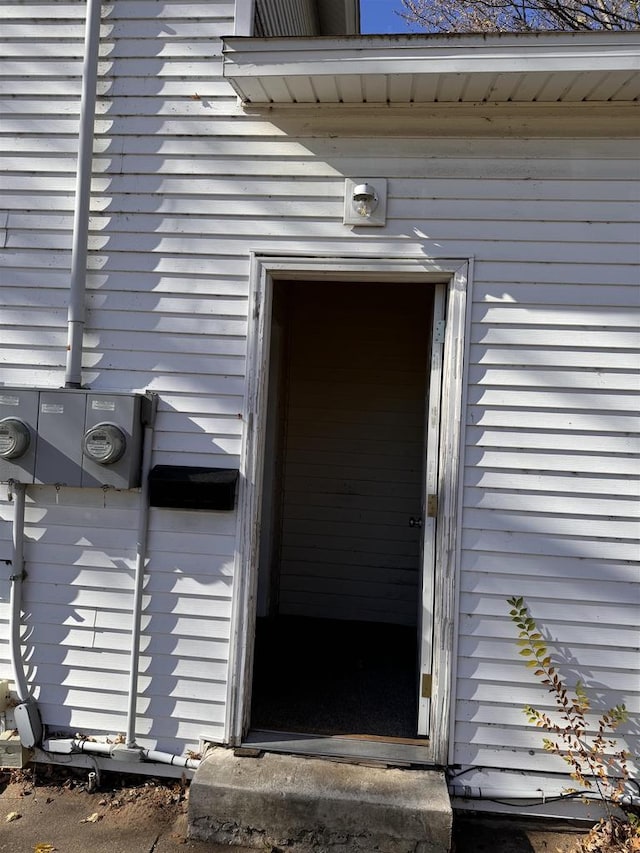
[340, 565]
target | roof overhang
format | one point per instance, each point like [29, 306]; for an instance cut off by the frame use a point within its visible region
[427, 69]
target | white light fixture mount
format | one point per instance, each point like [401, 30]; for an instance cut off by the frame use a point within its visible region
[365, 201]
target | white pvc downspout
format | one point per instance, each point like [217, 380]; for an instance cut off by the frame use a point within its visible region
[141, 555]
[76, 310]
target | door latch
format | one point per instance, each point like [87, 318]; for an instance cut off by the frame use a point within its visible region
[415, 522]
[432, 506]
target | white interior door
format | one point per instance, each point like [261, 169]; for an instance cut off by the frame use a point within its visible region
[429, 513]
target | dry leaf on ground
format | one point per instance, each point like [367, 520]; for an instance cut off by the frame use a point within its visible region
[12, 816]
[93, 818]
[611, 836]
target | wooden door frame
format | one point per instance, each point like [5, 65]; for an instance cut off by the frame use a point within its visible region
[430, 486]
[265, 269]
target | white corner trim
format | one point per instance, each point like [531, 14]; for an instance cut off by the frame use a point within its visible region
[245, 10]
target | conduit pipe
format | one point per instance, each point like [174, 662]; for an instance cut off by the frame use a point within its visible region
[76, 311]
[141, 555]
[26, 713]
[497, 792]
[130, 750]
[67, 746]
[17, 493]
[167, 758]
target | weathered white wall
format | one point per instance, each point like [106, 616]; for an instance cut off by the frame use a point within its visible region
[163, 313]
[550, 504]
[185, 184]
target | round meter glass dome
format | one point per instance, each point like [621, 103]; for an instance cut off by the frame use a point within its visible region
[15, 438]
[104, 443]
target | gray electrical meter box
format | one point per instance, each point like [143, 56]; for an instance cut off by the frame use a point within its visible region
[71, 437]
[112, 441]
[18, 434]
[60, 431]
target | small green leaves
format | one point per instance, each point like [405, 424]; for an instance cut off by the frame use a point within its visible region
[620, 713]
[588, 757]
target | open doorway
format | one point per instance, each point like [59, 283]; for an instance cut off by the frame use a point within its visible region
[340, 570]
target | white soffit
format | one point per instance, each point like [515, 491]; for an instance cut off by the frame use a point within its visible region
[427, 69]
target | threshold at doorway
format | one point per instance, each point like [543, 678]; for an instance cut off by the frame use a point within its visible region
[383, 750]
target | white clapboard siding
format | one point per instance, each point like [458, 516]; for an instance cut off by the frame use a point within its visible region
[557, 522]
[356, 367]
[77, 607]
[80, 550]
[31, 186]
[187, 184]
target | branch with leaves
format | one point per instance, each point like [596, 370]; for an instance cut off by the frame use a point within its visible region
[464, 16]
[594, 759]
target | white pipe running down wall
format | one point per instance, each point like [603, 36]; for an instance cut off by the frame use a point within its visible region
[141, 555]
[26, 713]
[17, 492]
[76, 311]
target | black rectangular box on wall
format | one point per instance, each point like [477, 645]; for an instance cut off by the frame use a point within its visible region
[188, 487]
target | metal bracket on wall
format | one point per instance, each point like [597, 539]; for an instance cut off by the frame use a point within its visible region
[425, 688]
[432, 506]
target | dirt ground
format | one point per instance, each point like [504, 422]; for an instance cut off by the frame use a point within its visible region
[48, 808]
[506, 835]
[481, 834]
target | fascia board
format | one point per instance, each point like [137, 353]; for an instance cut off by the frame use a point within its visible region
[247, 57]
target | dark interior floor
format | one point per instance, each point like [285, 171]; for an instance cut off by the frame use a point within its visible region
[331, 677]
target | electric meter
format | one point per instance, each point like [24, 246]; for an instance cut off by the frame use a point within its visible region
[104, 443]
[15, 438]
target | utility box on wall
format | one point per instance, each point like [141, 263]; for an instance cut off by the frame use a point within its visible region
[187, 487]
[18, 434]
[60, 429]
[112, 441]
[71, 437]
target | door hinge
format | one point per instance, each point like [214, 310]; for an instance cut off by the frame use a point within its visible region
[425, 688]
[439, 331]
[432, 506]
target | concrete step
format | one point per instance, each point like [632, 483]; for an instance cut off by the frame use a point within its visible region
[308, 805]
